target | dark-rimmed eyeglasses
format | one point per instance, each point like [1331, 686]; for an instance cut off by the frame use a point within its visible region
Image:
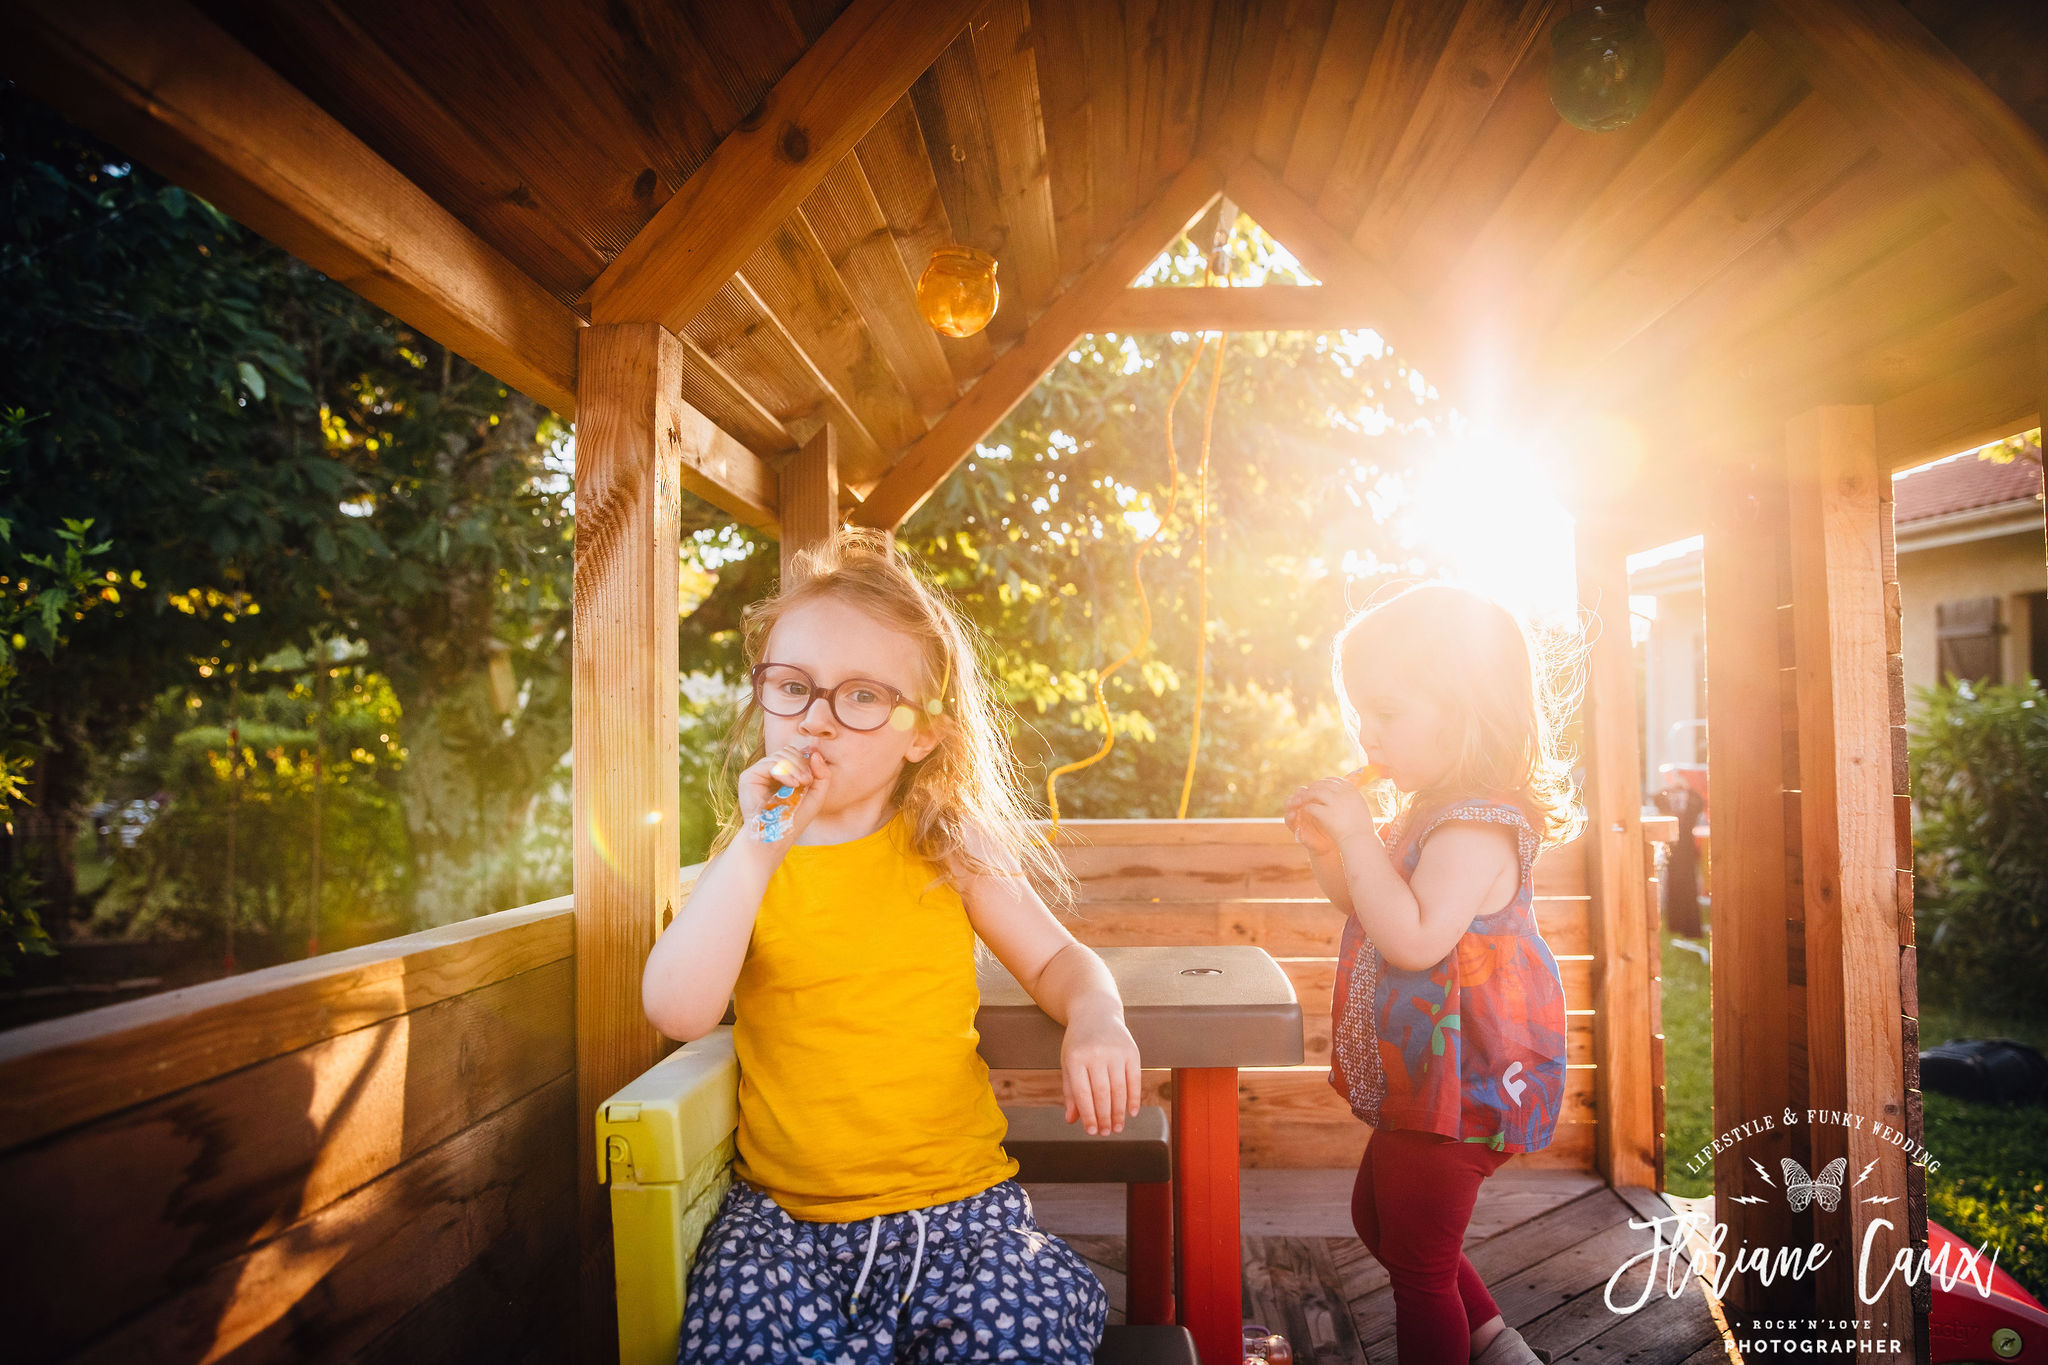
[857, 703]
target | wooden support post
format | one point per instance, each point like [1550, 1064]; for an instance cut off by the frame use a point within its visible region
[1625, 1150]
[1745, 541]
[810, 495]
[629, 438]
[2041, 387]
[1848, 852]
[1902, 847]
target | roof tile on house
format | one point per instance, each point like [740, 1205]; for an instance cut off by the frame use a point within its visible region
[1963, 483]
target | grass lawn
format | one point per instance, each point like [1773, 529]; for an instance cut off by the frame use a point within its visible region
[1993, 1162]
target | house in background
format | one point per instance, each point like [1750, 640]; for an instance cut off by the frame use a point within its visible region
[1972, 574]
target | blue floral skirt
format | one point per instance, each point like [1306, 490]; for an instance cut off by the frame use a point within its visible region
[973, 1279]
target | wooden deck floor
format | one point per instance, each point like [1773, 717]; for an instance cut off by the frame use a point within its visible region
[1545, 1242]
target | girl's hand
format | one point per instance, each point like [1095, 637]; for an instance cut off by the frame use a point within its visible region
[792, 765]
[1099, 1078]
[1327, 813]
[1307, 830]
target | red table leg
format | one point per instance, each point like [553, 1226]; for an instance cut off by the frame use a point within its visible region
[1148, 1252]
[1208, 1264]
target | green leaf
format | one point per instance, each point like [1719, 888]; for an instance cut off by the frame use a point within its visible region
[252, 378]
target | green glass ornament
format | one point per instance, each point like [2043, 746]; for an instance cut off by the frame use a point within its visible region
[1605, 65]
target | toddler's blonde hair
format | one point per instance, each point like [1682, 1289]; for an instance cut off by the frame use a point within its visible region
[971, 779]
[1508, 698]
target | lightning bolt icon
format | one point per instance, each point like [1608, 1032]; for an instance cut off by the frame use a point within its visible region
[1865, 1173]
[1881, 1199]
[1748, 1199]
[1762, 1172]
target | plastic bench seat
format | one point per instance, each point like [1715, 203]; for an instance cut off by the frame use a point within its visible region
[1050, 1149]
[1147, 1346]
[665, 1147]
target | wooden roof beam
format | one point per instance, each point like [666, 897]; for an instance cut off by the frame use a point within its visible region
[1341, 266]
[1186, 197]
[1263, 308]
[761, 173]
[1880, 65]
[161, 81]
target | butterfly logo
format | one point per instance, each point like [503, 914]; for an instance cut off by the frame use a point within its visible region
[1824, 1189]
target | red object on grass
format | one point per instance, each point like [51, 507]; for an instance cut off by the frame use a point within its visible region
[1962, 1320]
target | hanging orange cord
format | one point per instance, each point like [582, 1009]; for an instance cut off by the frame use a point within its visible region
[1225, 217]
[1052, 778]
[1187, 784]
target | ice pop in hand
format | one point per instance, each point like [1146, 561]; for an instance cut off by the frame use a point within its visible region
[1371, 772]
[773, 825]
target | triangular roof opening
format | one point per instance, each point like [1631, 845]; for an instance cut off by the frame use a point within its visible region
[1257, 258]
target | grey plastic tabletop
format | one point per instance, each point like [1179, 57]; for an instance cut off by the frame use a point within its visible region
[1212, 1005]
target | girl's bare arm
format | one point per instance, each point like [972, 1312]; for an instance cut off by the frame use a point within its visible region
[689, 976]
[1466, 869]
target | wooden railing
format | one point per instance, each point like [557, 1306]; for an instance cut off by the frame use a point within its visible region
[365, 1156]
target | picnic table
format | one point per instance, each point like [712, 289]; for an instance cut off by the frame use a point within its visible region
[1203, 1012]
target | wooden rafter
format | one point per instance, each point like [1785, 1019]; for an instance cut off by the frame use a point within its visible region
[1881, 67]
[1331, 257]
[941, 449]
[761, 174]
[164, 83]
[1264, 308]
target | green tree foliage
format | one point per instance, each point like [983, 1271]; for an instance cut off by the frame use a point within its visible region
[280, 462]
[1034, 537]
[1979, 758]
[235, 779]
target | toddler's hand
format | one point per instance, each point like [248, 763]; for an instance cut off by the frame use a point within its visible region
[1307, 831]
[1326, 812]
[1099, 1078]
[793, 765]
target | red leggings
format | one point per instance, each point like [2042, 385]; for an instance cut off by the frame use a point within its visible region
[1411, 1203]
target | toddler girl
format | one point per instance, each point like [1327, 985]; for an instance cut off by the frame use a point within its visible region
[1448, 1031]
[874, 1215]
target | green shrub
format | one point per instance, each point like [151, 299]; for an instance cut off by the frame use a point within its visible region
[1980, 844]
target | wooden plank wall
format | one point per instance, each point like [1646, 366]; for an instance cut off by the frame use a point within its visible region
[1247, 881]
[368, 1156]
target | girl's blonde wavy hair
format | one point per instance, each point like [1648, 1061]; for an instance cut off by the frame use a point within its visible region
[1509, 697]
[971, 780]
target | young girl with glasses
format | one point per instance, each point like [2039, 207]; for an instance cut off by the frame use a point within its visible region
[875, 1215]
[1448, 1024]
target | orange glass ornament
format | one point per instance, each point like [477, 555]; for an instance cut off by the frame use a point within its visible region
[957, 292]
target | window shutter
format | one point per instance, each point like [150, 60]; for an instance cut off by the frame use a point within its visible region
[1966, 639]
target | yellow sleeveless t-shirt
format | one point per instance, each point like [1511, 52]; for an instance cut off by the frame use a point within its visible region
[861, 1091]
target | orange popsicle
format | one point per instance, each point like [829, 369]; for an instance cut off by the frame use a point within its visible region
[1371, 772]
